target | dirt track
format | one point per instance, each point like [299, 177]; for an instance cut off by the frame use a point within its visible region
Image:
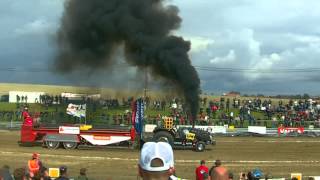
[277, 156]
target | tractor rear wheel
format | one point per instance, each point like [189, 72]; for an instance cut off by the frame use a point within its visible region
[200, 146]
[52, 144]
[163, 136]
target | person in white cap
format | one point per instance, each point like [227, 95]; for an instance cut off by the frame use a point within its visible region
[156, 161]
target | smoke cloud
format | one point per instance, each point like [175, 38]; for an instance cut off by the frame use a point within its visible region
[91, 30]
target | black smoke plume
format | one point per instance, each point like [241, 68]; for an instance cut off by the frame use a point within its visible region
[92, 29]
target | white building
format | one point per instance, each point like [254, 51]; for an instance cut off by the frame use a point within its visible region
[24, 97]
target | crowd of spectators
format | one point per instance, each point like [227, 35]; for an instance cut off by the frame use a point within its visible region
[35, 170]
[157, 163]
[225, 110]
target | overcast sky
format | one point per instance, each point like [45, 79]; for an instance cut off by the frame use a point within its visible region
[246, 45]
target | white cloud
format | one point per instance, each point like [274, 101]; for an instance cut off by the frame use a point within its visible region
[308, 39]
[38, 26]
[229, 58]
[198, 43]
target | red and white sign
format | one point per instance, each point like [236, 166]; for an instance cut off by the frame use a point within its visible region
[69, 130]
[286, 130]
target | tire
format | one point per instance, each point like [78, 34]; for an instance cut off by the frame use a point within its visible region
[52, 144]
[163, 136]
[200, 146]
[70, 145]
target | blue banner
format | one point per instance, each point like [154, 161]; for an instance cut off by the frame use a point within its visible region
[139, 116]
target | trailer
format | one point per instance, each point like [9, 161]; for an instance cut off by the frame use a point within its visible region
[72, 136]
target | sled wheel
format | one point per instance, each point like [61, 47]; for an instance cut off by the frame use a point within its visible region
[70, 145]
[52, 144]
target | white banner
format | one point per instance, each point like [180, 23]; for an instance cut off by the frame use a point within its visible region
[257, 129]
[316, 177]
[105, 140]
[149, 127]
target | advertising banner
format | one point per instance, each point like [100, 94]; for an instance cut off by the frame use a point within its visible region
[286, 130]
[257, 129]
[211, 129]
[69, 130]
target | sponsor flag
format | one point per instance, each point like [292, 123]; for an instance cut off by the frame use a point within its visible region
[138, 115]
[77, 110]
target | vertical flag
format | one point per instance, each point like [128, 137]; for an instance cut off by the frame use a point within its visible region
[139, 115]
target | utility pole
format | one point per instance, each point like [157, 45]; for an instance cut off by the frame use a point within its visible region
[145, 83]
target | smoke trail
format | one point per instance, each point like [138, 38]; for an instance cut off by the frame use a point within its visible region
[92, 29]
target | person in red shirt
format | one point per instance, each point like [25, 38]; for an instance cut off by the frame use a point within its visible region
[27, 119]
[202, 171]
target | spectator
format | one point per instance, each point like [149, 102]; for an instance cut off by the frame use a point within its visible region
[257, 174]
[156, 161]
[63, 173]
[1, 174]
[202, 170]
[205, 176]
[44, 173]
[6, 173]
[20, 174]
[243, 176]
[83, 174]
[34, 164]
[218, 172]
[230, 176]
[250, 176]
[37, 176]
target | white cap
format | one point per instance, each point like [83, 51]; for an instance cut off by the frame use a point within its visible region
[159, 150]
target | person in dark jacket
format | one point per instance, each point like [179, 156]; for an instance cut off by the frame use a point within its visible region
[63, 173]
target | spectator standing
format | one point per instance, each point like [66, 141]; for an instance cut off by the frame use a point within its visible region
[6, 173]
[202, 171]
[83, 174]
[63, 173]
[218, 172]
[20, 174]
[1, 174]
[34, 164]
[156, 161]
[44, 173]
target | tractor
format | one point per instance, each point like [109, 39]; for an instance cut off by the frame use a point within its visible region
[182, 137]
